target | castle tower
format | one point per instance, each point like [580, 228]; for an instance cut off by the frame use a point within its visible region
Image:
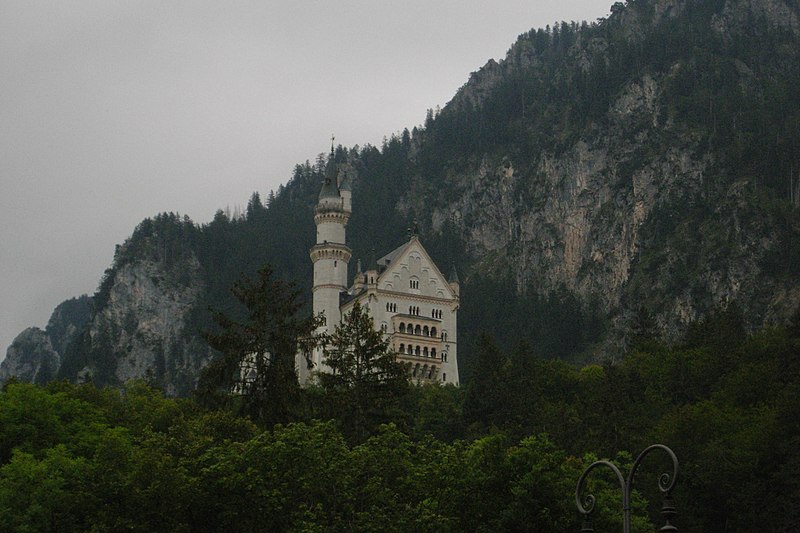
[330, 256]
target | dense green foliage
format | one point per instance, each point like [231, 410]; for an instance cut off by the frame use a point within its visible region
[502, 454]
[257, 356]
[365, 378]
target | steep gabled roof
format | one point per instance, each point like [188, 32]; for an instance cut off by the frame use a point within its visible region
[396, 255]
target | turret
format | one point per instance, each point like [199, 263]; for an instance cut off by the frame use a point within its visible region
[346, 191]
[330, 256]
[452, 280]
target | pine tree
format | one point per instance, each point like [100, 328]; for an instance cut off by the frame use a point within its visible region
[366, 379]
[256, 366]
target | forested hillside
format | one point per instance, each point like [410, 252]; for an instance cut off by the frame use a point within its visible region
[503, 453]
[641, 166]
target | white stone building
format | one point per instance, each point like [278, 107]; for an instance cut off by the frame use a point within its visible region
[406, 294]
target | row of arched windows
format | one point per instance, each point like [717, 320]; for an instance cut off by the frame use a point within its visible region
[414, 283]
[411, 329]
[419, 351]
[413, 310]
[392, 308]
[436, 313]
[423, 371]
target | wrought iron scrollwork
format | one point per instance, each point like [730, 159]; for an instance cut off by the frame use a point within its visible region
[666, 482]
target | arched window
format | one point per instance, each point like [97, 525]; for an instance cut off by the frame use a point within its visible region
[425, 351]
[402, 348]
[402, 327]
[433, 332]
[417, 330]
[416, 369]
[433, 352]
[425, 331]
[416, 351]
[410, 350]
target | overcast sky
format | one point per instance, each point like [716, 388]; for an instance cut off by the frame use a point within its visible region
[111, 112]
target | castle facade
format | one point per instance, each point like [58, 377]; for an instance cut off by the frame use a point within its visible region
[407, 296]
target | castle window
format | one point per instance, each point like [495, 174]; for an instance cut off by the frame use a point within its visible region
[402, 348]
[444, 376]
[417, 330]
[402, 327]
[414, 283]
[425, 351]
[410, 350]
[335, 264]
[433, 352]
[416, 351]
[433, 332]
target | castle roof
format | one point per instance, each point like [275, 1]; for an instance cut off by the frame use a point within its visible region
[329, 186]
[453, 275]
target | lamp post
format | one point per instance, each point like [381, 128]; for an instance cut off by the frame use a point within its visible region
[665, 484]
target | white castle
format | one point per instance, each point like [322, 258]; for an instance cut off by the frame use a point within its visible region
[407, 296]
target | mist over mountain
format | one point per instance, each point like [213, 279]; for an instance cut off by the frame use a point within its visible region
[642, 169]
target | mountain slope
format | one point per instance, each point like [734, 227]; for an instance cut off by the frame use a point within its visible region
[647, 164]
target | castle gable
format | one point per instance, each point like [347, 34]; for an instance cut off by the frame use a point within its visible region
[411, 270]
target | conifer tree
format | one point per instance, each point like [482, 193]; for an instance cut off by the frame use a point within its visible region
[365, 379]
[256, 366]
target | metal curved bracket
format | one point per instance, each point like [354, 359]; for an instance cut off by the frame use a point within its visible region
[665, 481]
[586, 504]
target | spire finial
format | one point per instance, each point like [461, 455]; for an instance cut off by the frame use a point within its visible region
[453, 275]
[333, 138]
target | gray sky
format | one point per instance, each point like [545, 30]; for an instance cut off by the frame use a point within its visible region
[113, 111]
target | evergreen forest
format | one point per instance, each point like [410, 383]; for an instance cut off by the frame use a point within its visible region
[500, 454]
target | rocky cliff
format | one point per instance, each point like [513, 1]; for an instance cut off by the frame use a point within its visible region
[36, 355]
[143, 326]
[646, 163]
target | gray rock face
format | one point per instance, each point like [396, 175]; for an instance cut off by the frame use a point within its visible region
[610, 216]
[35, 355]
[30, 358]
[144, 326]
